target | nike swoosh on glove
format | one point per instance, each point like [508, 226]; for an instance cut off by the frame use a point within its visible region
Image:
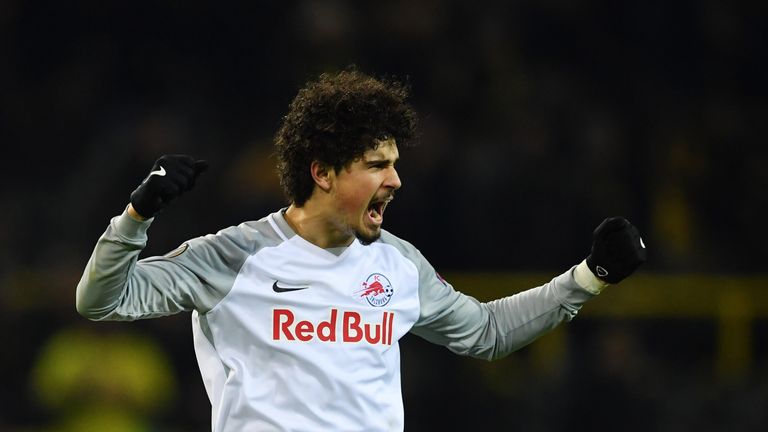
[617, 250]
[170, 177]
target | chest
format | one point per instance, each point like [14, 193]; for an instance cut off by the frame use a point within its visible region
[291, 295]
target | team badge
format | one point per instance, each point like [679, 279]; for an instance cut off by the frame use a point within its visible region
[376, 290]
[178, 251]
[441, 279]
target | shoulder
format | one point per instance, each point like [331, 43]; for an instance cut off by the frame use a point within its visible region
[229, 248]
[401, 245]
[247, 237]
[405, 248]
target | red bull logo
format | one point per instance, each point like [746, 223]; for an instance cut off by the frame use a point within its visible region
[376, 290]
[352, 329]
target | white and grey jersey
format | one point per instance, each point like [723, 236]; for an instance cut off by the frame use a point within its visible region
[290, 336]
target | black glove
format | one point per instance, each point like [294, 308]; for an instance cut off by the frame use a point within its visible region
[171, 176]
[617, 250]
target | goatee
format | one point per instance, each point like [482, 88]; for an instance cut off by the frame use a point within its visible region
[365, 240]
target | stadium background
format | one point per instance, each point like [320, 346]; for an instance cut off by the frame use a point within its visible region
[540, 118]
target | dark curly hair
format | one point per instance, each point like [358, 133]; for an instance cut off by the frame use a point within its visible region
[335, 120]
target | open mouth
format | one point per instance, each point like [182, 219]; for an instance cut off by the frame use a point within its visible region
[376, 210]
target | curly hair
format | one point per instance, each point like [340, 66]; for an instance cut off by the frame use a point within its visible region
[335, 120]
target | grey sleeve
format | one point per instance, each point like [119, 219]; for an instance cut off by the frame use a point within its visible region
[117, 286]
[489, 330]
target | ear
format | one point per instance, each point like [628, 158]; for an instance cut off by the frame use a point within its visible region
[322, 174]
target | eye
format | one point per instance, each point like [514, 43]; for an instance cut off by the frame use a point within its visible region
[379, 165]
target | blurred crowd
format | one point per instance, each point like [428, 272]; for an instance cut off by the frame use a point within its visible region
[539, 119]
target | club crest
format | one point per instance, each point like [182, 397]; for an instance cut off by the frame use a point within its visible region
[376, 290]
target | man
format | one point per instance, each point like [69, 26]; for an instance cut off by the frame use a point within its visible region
[297, 316]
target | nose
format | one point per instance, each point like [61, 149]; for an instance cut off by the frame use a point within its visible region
[393, 180]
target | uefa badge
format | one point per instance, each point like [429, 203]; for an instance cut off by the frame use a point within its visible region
[376, 290]
[178, 251]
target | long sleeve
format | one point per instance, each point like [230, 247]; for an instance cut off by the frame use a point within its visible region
[493, 330]
[490, 330]
[110, 268]
[117, 286]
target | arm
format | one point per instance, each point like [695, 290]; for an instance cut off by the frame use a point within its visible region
[494, 329]
[196, 276]
[114, 285]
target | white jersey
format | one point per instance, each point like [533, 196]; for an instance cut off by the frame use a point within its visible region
[290, 336]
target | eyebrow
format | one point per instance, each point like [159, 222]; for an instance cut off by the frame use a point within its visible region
[379, 161]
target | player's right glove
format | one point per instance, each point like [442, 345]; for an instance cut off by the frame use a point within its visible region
[617, 250]
[171, 176]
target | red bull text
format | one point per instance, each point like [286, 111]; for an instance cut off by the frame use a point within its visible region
[352, 330]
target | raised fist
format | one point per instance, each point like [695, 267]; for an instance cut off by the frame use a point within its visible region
[617, 250]
[171, 176]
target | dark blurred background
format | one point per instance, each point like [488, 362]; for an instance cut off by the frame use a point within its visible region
[540, 118]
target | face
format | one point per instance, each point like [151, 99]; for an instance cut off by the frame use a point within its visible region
[364, 188]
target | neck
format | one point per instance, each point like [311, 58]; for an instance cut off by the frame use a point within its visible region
[318, 226]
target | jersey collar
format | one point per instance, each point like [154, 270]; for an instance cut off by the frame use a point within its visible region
[284, 230]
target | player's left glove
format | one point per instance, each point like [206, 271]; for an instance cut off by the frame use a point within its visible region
[617, 250]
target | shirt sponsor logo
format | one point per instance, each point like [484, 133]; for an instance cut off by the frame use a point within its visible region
[376, 290]
[344, 326]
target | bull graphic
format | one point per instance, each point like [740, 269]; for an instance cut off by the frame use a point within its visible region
[374, 288]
